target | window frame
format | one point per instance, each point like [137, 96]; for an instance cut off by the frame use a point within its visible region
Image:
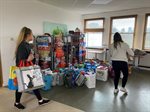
[88, 30]
[123, 17]
[1, 75]
[144, 33]
[95, 29]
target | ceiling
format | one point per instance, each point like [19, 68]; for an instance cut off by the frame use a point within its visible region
[88, 6]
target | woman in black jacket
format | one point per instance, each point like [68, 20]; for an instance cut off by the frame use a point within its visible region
[23, 53]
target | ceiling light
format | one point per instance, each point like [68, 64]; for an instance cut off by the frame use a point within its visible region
[101, 1]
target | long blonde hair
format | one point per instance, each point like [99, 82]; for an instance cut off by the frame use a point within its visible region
[22, 36]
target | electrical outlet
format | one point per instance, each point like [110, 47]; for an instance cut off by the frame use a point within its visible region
[12, 39]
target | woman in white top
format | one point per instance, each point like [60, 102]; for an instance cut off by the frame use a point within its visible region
[118, 52]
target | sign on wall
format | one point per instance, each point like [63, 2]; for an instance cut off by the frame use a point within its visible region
[48, 27]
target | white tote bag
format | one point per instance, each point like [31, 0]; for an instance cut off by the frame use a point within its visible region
[29, 78]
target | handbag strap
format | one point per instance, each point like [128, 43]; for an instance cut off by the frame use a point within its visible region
[29, 63]
[25, 63]
[21, 64]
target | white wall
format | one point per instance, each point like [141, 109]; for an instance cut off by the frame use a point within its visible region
[140, 23]
[14, 14]
[139, 27]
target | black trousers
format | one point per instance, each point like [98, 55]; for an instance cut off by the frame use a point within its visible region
[19, 94]
[118, 67]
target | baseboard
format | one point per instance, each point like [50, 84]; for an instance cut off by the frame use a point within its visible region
[143, 66]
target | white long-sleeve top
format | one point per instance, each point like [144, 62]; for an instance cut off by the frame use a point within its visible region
[120, 54]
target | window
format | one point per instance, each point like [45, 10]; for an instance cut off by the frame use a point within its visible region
[93, 39]
[146, 44]
[94, 24]
[125, 25]
[93, 29]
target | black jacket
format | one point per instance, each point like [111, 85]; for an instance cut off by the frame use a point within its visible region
[23, 52]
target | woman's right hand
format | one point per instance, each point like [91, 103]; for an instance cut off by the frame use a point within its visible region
[30, 57]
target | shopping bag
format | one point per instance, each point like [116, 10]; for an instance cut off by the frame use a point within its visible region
[48, 82]
[102, 73]
[54, 78]
[60, 79]
[69, 78]
[43, 45]
[80, 80]
[29, 78]
[12, 81]
[90, 80]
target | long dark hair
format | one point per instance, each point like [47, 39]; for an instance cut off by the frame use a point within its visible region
[117, 39]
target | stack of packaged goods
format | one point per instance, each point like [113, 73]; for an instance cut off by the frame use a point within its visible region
[58, 49]
[60, 77]
[91, 65]
[82, 50]
[88, 71]
[67, 48]
[54, 78]
[101, 70]
[78, 50]
[44, 49]
[47, 77]
[109, 67]
[69, 78]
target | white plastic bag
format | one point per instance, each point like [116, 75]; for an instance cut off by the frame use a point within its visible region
[90, 80]
[102, 73]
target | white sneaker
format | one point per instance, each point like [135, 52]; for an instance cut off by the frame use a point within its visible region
[124, 90]
[116, 91]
